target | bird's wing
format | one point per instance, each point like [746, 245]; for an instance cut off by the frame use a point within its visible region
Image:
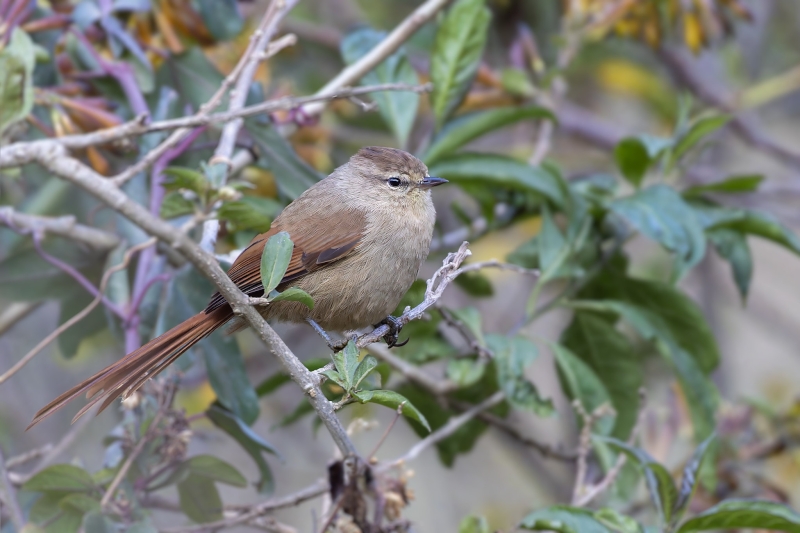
[320, 240]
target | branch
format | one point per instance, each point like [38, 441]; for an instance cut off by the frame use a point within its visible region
[446, 430]
[53, 156]
[78, 317]
[14, 312]
[19, 153]
[65, 226]
[249, 514]
[382, 50]
[411, 372]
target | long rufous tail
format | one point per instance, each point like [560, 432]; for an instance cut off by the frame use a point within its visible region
[131, 372]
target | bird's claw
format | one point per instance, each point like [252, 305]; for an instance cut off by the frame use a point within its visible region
[394, 330]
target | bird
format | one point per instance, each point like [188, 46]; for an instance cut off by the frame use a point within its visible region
[360, 236]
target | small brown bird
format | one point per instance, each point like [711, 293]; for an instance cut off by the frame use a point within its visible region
[360, 236]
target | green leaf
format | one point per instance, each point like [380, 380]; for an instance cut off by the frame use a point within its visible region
[733, 247]
[701, 395]
[700, 129]
[275, 260]
[62, 477]
[612, 358]
[80, 502]
[617, 522]
[193, 76]
[471, 319]
[675, 310]
[691, 478]
[456, 55]
[751, 222]
[252, 443]
[661, 214]
[141, 527]
[563, 519]
[346, 362]
[659, 482]
[732, 185]
[293, 294]
[398, 108]
[497, 171]
[17, 60]
[474, 524]
[185, 178]
[465, 128]
[744, 514]
[228, 376]
[199, 499]
[581, 383]
[475, 284]
[292, 175]
[366, 366]
[250, 213]
[393, 400]
[175, 205]
[512, 356]
[210, 467]
[221, 17]
[465, 372]
[634, 155]
[98, 523]
[70, 340]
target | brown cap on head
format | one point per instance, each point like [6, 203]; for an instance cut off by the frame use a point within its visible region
[391, 160]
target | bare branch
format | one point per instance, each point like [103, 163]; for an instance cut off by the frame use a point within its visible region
[411, 372]
[14, 312]
[251, 513]
[546, 450]
[446, 430]
[382, 50]
[19, 153]
[65, 226]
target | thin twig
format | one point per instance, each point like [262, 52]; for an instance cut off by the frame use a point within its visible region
[251, 513]
[14, 312]
[23, 152]
[78, 316]
[398, 414]
[452, 425]
[399, 35]
[17, 516]
[412, 372]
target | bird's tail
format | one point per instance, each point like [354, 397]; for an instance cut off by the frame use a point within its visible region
[131, 372]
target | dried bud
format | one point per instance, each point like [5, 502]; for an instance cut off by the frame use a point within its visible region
[228, 193]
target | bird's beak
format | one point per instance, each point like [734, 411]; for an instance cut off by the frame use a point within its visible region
[431, 181]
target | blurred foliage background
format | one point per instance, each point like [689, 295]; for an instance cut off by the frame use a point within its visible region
[641, 155]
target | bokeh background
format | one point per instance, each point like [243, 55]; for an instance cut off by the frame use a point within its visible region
[614, 86]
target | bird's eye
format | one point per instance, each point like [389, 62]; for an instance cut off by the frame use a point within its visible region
[394, 182]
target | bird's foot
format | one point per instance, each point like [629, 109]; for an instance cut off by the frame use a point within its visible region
[394, 330]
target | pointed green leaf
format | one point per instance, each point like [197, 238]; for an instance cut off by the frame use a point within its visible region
[456, 55]
[346, 362]
[617, 522]
[661, 214]
[17, 60]
[551, 241]
[512, 356]
[732, 185]
[465, 372]
[465, 128]
[474, 524]
[199, 499]
[293, 294]
[581, 383]
[185, 178]
[366, 366]
[563, 519]
[610, 355]
[215, 469]
[393, 400]
[699, 130]
[471, 319]
[690, 479]
[732, 246]
[98, 523]
[249, 440]
[62, 477]
[659, 482]
[275, 260]
[734, 514]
